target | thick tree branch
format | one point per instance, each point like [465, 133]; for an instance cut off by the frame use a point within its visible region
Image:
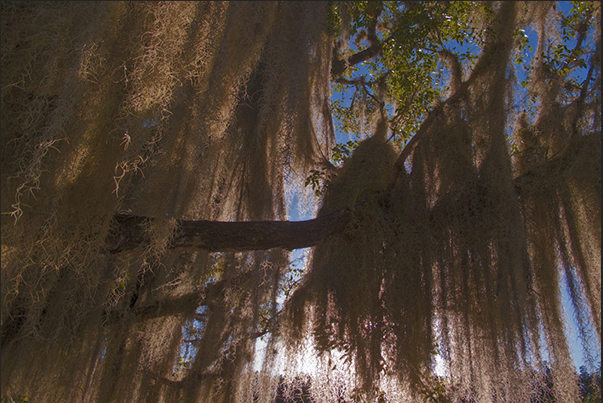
[215, 236]
[307, 233]
[339, 66]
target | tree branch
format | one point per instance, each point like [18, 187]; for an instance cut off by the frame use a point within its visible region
[399, 164]
[216, 236]
[339, 66]
[546, 175]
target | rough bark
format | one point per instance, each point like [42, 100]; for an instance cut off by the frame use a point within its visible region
[216, 236]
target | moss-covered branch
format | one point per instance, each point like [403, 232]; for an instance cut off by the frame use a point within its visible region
[218, 236]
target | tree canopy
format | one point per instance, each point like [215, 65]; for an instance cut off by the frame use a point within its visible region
[149, 151]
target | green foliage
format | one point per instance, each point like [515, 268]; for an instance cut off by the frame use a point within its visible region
[319, 179]
[292, 277]
[316, 179]
[590, 385]
[333, 20]
[563, 57]
[523, 46]
[412, 38]
[343, 151]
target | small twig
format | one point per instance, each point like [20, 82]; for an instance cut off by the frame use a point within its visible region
[380, 103]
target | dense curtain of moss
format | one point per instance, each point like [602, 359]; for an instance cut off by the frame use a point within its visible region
[204, 111]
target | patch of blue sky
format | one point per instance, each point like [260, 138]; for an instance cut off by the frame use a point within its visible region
[583, 347]
[192, 331]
